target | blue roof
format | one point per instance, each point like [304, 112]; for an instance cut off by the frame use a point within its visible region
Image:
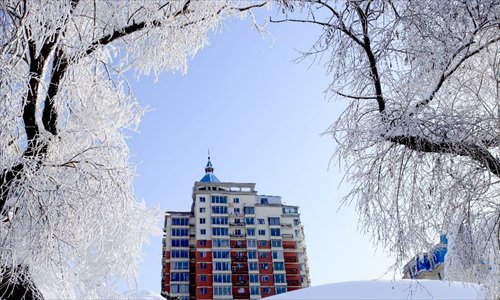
[209, 177]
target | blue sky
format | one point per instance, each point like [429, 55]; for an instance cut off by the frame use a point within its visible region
[262, 116]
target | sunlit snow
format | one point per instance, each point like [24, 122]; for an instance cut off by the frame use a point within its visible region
[384, 289]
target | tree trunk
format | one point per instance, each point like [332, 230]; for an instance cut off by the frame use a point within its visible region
[21, 287]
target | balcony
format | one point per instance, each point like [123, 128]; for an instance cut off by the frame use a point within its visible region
[287, 235]
[292, 270]
[241, 235]
[239, 246]
[290, 259]
[292, 283]
[237, 224]
[239, 271]
[287, 225]
[239, 258]
[245, 295]
[240, 283]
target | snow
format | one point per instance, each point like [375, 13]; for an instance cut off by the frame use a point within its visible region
[145, 295]
[384, 289]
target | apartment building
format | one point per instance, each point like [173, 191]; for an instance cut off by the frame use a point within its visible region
[233, 244]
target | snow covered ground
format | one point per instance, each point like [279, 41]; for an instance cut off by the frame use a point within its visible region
[384, 289]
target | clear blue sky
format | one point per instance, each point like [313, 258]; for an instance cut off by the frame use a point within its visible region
[262, 117]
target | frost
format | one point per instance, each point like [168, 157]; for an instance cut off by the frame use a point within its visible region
[419, 135]
[71, 226]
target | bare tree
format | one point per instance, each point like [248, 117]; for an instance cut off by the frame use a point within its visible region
[69, 221]
[420, 134]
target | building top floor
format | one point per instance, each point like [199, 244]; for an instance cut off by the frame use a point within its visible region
[224, 187]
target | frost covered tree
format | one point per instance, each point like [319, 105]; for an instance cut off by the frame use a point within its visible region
[70, 223]
[420, 135]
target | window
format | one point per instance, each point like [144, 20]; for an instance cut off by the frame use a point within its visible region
[236, 200]
[221, 254]
[202, 199]
[179, 288]
[203, 209]
[180, 222]
[250, 220]
[264, 278]
[203, 254]
[220, 231]
[253, 266]
[179, 276]
[274, 221]
[202, 243]
[251, 231]
[203, 231]
[290, 210]
[264, 266]
[180, 253]
[204, 290]
[203, 277]
[180, 232]
[203, 220]
[254, 277]
[222, 277]
[266, 290]
[264, 201]
[222, 266]
[252, 254]
[296, 222]
[250, 210]
[261, 221]
[219, 220]
[280, 289]
[279, 266]
[263, 254]
[219, 209]
[179, 265]
[219, 199]
[220, 243]
[236, 211]
[251, 243]
[262, 243]
[254, 290]
[275, 231]
[237, 232]
[237, 221]
[203, 266]
[222, 290]
[262, 232]
[180, 243]
[276, 243]
[277, 254]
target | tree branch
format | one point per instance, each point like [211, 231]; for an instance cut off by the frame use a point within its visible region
[477, 153]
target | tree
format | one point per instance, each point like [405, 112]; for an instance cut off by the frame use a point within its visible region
[70, 221]
[420, 135]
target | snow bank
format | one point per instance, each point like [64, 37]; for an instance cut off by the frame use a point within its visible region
[384, 289]
[145, 295]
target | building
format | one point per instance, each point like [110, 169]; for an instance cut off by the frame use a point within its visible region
[428, 265]
[233, 244]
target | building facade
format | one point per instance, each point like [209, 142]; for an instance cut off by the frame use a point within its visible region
[233, 244]
[429, 265]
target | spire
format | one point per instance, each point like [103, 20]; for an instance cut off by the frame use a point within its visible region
[209, 171]
[209, 168]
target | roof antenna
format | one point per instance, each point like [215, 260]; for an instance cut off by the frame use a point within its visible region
[209, 168]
